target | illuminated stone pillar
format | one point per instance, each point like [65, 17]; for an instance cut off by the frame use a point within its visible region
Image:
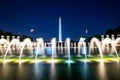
[113, 37]
[107, 36]
[18, 37]
[13, 37]
[2, 37]
[8, 38]
[102, 37]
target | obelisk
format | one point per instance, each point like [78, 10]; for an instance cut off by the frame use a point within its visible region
[60, 30]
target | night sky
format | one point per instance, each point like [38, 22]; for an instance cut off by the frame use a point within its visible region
[20, 16]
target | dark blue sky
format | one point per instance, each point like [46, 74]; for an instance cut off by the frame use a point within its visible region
[19, 16]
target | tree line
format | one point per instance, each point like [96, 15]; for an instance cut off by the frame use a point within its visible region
[5, 34]
[114, 32]
[109, 32]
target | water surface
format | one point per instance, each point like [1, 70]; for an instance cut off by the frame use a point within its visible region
[60, 71]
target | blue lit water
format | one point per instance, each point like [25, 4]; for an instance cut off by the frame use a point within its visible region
[60, 71]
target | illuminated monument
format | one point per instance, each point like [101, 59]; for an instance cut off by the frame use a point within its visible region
[60, 30]
[54, 50]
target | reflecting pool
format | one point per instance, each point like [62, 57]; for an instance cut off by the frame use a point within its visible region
[60, 71]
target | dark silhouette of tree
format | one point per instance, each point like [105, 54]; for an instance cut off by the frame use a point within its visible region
[1, 32]
[98, 36]
[8, 34]
[5, 34]
[113, 32]
[117, 31]
[109, 32]
[89, 38]
[25, 36]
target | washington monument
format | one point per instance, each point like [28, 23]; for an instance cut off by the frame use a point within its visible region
[60, 30]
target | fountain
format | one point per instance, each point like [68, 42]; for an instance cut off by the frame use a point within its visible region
[3, 44]
[55, 50]
[53, 42]
[13, 42]
[68, 47]
[108, 41]
[41, 52]
[27, 42]
[81, 44]
[92, 46]
[40, 46]
[106, 48]
[68, 50]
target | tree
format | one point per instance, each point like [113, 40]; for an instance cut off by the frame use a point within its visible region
[1, 32]
[25, 36]
[110, 32]
[11, 34]
[117, 31]
[98, 36]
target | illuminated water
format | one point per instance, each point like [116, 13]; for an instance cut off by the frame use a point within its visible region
[83, 69]
[54, 49]
[44, 71]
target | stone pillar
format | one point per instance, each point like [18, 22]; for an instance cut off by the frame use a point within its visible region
[113, 37]
[107, 36]
[8, 38]
[18, 37]
[102, 37]
[13, 37]
[2, 37]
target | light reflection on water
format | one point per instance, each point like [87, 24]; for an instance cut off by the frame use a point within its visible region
[85, 71]
[23, 69]
[60, 71]
[69, 70]
[5, 71]
[40, 71]
[102, 71]
[53, 72]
